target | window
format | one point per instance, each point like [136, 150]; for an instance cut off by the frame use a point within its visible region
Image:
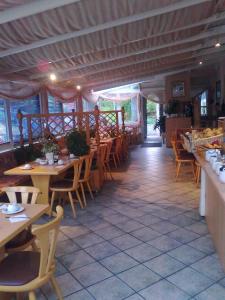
[68, 107]
[28, 106]
[203, 99]
[106, 105]
[4, 134]
[88, 106]
[53, 105]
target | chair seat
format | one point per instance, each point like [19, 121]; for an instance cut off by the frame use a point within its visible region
[19, 268]
[61, 185]
[186, 156]
[21, 239]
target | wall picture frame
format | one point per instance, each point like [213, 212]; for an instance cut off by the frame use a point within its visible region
[178, 89]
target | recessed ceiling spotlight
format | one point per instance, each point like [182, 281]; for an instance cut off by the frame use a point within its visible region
[50, 62]
[200, 63]
[217, 45]
[52, 77]
[78, 87]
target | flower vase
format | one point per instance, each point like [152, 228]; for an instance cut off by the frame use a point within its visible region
[49, 156]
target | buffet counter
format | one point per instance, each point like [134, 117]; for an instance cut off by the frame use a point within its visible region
[212, 205]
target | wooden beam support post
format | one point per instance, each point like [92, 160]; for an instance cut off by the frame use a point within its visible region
[20, 120]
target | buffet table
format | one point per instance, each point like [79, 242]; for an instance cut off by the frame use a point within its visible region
[190, 145]
[212, 206]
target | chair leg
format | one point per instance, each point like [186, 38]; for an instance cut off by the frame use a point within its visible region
[104, 171]
[118, 159]
[56, 288]
[90, 191]
[114, 160]
[32, 296]
[72, 204]
[52, 201]
[193, 170]
[83, 193]
[109, 170]
[178, 169]
[79, 199]
[198, 175]
[34, 247]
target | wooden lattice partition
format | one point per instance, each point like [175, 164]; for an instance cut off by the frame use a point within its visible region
[99, 123]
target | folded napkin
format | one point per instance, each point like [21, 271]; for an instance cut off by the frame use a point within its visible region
[18, 218]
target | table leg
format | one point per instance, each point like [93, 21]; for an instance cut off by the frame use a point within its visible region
[202, 194]
[42, 182]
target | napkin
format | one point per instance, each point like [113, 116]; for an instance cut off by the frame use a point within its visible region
[18, 218]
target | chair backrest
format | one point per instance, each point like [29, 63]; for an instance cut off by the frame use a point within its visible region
[47, 237]
[77, 167]
[108, 150]
[24, 191]
[87, 161]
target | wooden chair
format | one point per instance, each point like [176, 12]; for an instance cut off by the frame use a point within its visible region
[116, 151]
[87, 162]
[26, 271]
[106, 165]
[197, 172]
[67, 186]
[25, 238]
[182, 158]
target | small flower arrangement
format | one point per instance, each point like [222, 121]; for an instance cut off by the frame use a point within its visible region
[49, 146]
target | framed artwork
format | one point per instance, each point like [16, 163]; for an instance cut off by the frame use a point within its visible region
[178, 89]
[218, 90]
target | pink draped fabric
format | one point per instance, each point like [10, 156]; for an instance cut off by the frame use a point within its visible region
[22, 89]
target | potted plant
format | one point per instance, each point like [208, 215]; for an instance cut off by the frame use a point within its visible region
[24, 154]
[160, 124]
[49, 148]
[76, 143]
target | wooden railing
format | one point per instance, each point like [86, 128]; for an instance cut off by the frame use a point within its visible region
[95, 123]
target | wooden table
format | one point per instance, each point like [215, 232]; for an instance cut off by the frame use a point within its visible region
[10, 230]
[41, 175]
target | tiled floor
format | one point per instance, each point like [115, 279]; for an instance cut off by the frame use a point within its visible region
[142, 238]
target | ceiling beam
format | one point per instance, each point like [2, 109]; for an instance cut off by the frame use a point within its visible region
[209, 20]
[183, 51]
[209, 34]
[181, 62]
[122, 21]
[194, 65]
[31, 8]
[136, 78]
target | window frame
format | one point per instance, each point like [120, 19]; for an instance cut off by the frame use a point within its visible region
[204, 106]
[10, 144]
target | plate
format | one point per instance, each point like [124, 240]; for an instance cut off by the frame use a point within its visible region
[6, 212]
[23, 168]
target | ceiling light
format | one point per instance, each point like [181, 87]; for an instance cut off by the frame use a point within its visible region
[217, 45]
[78, 87]
[52, 76]
[200, 63]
